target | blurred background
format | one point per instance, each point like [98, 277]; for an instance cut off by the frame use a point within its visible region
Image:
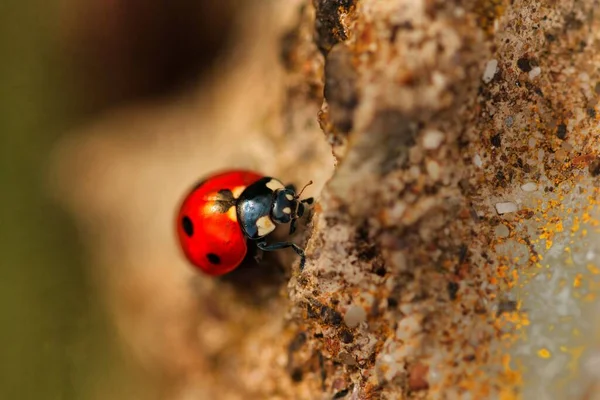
[63, 64]
[111, 111]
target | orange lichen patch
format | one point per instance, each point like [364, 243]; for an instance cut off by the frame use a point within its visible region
[544, 353]
[576, 225]
[593, 269]
[590, 297]
[575, 354]
[577, 280]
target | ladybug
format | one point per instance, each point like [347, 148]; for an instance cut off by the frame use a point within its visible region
[224, 213]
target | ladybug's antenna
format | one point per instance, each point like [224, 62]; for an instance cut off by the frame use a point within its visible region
[305, 186]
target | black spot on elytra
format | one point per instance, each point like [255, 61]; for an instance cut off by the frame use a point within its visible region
[213, 258]
[188, 226]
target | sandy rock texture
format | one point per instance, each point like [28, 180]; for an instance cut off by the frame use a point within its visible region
[463, 136]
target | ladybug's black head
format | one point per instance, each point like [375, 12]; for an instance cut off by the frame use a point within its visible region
[286, 206]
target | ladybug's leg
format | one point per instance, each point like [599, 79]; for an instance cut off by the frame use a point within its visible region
[258, 256]
[293, 227]
[308, 200]
[284, 245]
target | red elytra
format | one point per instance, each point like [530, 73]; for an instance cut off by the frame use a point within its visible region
[207, 225]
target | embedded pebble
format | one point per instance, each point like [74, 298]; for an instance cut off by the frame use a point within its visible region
[535, 72]
[433, 169]
[501, 231]
[509, 121]
[529, 187]
[506, 207]
[347, 358]
[477, 160]
[432, 139]
[354, 316]
[490, 70]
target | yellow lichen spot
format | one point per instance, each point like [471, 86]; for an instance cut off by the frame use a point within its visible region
[575, 226]
[590, 297]
[584, 232]
[593, 269]
[559, 227]
[577, 280]
[562, 283]
[544, 353]
[507, 394]
[569, 261]
[586, 217]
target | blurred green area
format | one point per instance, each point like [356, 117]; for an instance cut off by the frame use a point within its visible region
[55, 338]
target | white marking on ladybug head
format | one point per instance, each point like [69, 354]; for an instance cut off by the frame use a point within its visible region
[289, 197]
[265, 225]
[237, 191]
[232, 213]
[287, 210]
[274, 184]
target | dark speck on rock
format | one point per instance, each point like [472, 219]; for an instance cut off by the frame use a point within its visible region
[500, 175]
[524, 64]
[561, 131]
[341, 394]
[594, 167]
[392, 302]
[452, 290]
[597, 88]
[506, 306]
[572, 23]
[297, 343]
[330, 316]
[296, 375]
[328, 26]
[591, 112]
[347, 337]
[496, 141]
[463, 252]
